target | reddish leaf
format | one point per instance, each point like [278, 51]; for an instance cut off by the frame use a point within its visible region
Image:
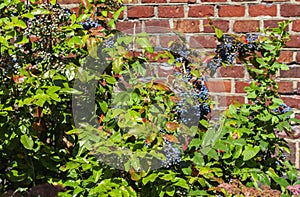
[174, 99]
[134, 175]
[19, 79]
[172, 126]
[171, 138]
[101, 118]
[195, 171]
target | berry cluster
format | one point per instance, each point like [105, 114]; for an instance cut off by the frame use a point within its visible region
[48, 24]
[89, 24]
[172, 155]
[230, 47]
[283, 108]
[46, 36]
[193, 106]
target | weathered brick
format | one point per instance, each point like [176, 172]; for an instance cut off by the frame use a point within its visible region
[165, 40]
[245, 26]
[285, 87]
[224, 101]
[298, 57]
[275, 0]
[298, 88]
[292, 101]
[213, 0]
[182, 1]
[296, 25]
[231, 10]
[171, 11]
[140, 11]
[285, 57]
[294, 42]
[293, 72]
[290, 10]
[203, 41]
[157, 26]
[218, 85]
[128, 26]
[164, 71]
[273, 24]
[221, 24]
[262, 10]
[232, 71]
[187, 26]
[201, 11]
[154, 1]
[240, 86]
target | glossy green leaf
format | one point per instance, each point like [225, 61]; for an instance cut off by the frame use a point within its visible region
[250, 152]
[39, 11]
[27, 142]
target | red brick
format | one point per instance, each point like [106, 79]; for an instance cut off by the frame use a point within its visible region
[273, 24]
[165, 40]
[201, 11]
[214, 0]
[296, 25]
[293, 72]
[262, 10]
[232, 71]
[218, 85]
[285, 87]
[292, 101]
[240, 85]
[294, 42]
[165, 71]
[231, 10]
[182, 1]
[298, 57]
[171, 11]
[157, 26]
[154, 1]
[245, 26]
[227, 100]
[128, 26]
[298, 88]
[203, 41]
[187, 26]
[285, 57]
[290, 10]
[155, 57]
[275, 0]
[221, 24]
[140, 11]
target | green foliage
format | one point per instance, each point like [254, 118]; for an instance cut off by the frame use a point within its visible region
[41, 48]
[114, 145]
[254, 153]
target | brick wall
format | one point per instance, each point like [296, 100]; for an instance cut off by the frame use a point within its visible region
[232, 16]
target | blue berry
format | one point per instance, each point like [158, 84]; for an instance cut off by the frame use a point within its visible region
[172, 155]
